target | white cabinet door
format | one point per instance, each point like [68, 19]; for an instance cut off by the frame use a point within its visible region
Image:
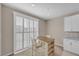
[75, 47]
[67, 44]
[71, 23]
[67, 24]
[75, 23]
[71, 45]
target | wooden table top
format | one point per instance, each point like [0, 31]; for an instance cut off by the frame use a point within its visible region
[46, 39]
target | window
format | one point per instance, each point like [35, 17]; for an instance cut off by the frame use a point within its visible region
[25, 30]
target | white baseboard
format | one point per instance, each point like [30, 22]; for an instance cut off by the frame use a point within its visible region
[7, 54]
[21, 50]
[13, 52]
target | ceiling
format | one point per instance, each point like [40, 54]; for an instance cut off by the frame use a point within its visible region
[46, 10]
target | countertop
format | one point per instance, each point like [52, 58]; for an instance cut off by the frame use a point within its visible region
[72, 38]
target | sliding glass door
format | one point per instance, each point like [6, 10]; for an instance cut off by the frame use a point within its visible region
[18, 33]
[25, 30]
[26, 33]
[31, 32]
[35, 29]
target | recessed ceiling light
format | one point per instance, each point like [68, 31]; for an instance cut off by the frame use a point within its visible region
[33, 5]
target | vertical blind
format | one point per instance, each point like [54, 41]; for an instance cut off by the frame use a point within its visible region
[26, 30]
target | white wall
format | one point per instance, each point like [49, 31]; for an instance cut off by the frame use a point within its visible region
[7, 31]
[56, 30]
[42, 28]
[0, 29]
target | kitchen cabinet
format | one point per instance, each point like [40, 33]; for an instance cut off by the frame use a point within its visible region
[71, 45]
[67, 44]
[71, 23]
[75, 23]
[75, 47]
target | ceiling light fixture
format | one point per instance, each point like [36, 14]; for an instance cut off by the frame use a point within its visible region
[33, 5]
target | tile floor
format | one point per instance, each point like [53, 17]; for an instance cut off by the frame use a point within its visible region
[58, 52]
